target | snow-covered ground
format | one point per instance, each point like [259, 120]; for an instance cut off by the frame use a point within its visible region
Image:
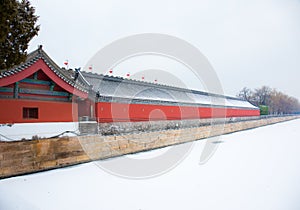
[257, 169]
[18, 131]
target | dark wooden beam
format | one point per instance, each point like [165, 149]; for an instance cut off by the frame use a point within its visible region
[43, 92]
[16, 90]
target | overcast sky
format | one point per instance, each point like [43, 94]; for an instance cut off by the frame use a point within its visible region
[249, 43]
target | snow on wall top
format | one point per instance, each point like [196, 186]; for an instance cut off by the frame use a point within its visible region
[118, 87]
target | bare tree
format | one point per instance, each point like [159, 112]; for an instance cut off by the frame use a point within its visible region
[262, 95]
[246, 94]
[278, 102]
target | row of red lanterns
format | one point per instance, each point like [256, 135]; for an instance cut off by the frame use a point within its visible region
[66, 63]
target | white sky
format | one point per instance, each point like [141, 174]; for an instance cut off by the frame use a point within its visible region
[249, 43]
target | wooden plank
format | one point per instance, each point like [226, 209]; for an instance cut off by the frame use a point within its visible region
[43, 92]
[44, 98]
[6, 90]
[33, 81]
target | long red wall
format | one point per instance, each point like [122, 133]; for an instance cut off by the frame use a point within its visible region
[11, 111]
[118, 112]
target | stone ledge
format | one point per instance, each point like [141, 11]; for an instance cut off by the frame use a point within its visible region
[23, 157]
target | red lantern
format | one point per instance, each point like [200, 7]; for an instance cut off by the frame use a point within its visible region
[111, 71]
[128, 74]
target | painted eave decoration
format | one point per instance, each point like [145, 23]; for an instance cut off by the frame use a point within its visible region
[39, 60]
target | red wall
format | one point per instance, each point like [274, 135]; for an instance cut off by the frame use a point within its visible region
[118, 112]
[11, 111]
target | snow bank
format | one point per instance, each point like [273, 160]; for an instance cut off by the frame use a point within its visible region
[18, 131]
[251, 170]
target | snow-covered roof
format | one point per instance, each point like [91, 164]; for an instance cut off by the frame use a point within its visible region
[118, 87]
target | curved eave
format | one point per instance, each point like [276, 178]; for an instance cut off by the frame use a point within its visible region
[41, 65]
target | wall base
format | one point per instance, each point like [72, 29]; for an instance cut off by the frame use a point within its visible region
[21, 157]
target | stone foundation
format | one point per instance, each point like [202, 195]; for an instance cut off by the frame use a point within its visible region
[21, 157]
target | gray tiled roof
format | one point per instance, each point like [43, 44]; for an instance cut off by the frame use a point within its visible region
[118, 87]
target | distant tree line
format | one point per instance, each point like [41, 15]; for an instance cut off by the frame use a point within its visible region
[277, 102]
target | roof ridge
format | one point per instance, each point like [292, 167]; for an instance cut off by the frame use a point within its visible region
[139, 82]
[41, 54]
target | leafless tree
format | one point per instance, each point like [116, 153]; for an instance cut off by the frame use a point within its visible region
[278, 102]
[263, 95]
[246, 94]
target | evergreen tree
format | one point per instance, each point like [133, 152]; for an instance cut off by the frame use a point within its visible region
[18, 27]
